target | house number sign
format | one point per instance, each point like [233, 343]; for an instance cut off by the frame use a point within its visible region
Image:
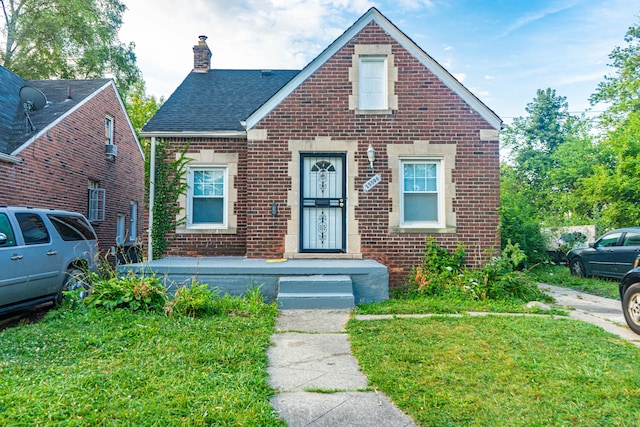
[375, 180]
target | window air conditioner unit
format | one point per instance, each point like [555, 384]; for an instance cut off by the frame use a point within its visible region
[111, 150]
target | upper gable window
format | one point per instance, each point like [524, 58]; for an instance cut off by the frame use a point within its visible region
[372, 83]
[108, 130]
[373, 76]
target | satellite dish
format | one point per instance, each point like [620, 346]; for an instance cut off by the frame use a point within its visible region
[32, 98]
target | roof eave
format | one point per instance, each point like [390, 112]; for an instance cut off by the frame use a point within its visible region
[194, 134]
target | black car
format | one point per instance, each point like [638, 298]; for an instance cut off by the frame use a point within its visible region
[612, 255]
[630, 297]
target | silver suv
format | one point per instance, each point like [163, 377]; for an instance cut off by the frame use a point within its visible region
[42, 253]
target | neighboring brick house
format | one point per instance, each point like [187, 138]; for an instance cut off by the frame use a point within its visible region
[77, 152]
[280, 159]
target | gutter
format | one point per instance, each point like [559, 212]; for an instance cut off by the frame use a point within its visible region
[195, 134]
[10, 159]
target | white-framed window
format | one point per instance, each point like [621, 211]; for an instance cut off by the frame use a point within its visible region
[97, 197]
[108, 130]
[207, 197]
[421, 193]
[133, 221]
[372, 83]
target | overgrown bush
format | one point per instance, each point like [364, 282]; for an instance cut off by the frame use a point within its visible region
[443, 273]
[195, 300]
[518, 225]
[131, 292]
[147, 293]
[437, 268]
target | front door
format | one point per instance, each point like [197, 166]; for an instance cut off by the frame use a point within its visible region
[322, 202]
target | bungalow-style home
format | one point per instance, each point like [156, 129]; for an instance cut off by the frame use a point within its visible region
[69, 144]
[365, 153]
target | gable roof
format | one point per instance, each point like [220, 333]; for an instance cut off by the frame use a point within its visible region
[9, 104]
[216, 101]
[373, 15]
[15, 133]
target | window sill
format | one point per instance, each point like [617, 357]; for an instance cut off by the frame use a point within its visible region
[373, 112]
[205, 230]
[422, 230]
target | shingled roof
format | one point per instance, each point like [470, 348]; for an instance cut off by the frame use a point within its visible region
[63, 96]
[218, 100]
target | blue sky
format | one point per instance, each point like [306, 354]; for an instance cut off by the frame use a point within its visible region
[501, 50]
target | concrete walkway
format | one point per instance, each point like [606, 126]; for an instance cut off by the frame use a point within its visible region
[603, 312]
[317, 379]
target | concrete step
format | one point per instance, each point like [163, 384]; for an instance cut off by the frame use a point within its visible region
[316, 291]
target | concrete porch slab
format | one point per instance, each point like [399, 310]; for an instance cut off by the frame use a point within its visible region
[234, 275]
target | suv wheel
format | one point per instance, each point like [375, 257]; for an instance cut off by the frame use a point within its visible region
[75, 280]
[577, 268]
[631, 307]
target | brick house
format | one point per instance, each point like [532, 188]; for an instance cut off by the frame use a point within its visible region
[363, 154]
[69, 144]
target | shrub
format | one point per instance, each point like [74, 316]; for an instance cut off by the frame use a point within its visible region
[437, 268]
[196, 300]
[134, 293]
[443, 273]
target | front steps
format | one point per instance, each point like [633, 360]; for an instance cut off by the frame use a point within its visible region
[315, 292]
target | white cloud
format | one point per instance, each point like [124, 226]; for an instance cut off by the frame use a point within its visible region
[538, 15]
[415, 4]
[461, 77]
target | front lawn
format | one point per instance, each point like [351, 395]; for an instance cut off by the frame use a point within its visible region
[498, 371]
[117, 368]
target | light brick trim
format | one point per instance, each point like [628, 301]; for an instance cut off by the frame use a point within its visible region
[392, 76]
[446, 153]
[209, 158]
[324, 145]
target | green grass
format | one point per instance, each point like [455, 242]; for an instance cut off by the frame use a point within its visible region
[561, 276]
[495, 370]
[445, 304]
[116, 368]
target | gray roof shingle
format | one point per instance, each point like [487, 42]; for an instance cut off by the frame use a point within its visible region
[217, 100]
[10, 85]
[56, 91]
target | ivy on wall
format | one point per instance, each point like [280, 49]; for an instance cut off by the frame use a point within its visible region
[170, 184]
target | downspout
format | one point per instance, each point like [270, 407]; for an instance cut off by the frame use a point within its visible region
[152, 185]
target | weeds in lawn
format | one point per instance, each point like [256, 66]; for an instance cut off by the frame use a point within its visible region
[499, 371]
[91, 366]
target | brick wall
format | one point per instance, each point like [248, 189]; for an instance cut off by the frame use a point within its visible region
[58, 165]
[427, 111]
[207, 244]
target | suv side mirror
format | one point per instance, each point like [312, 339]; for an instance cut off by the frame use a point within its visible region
[3, 239]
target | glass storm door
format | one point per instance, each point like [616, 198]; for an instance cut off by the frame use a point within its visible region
[323, 219]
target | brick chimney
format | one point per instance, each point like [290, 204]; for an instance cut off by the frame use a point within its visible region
[201, 56]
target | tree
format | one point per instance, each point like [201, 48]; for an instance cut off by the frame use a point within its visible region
[141, 107]
[534, 143]
[622, 90]
[67, 39]
[614, 187]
